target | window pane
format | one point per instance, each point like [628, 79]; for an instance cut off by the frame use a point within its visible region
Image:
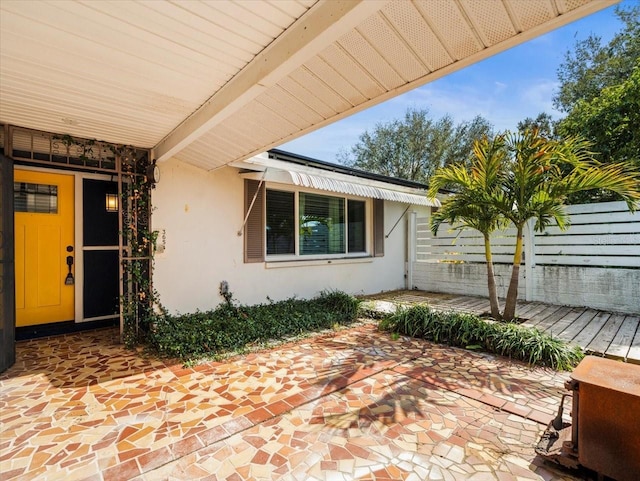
[280, 223]
[35, 198]
[357, 238]
[321, 224]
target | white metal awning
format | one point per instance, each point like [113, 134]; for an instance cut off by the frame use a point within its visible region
[278, 171]
[355, 188]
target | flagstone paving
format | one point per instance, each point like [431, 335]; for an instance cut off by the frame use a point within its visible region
[342, 406]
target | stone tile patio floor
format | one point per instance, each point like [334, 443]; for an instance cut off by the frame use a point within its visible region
[349, 405]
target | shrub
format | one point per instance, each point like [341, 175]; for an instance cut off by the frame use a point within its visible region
[230, 328]
[470, 331]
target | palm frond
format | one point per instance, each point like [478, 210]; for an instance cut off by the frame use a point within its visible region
[623, 179]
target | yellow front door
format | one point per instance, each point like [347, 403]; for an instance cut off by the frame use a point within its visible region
[44, 238]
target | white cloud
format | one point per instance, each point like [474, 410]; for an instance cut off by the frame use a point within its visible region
[504, 105]
[326, 143]
[540, 94]
[460, 103]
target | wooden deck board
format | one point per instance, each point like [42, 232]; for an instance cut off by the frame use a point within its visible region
[564, 321]
[524, 307]
[577, 325]
[442, 307]
[465, 302]
[531, 310]
[592, 329]
[602, 341]
[546, 313]
[620, 345]
[547, 325]
[455, 299]
[634, 351]
[481, 306]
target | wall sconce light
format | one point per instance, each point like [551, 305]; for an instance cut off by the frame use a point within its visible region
[111, 202]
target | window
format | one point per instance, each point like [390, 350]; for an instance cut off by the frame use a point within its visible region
[299, 225]
[321, 224]
[357, 234]
[35, 198]
[281, 223]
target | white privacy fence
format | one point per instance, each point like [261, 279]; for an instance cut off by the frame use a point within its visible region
[594, 263]
[605, 234]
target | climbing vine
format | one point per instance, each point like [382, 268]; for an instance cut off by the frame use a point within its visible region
[138, 299]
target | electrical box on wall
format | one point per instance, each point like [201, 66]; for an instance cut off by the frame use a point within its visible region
[161, 240]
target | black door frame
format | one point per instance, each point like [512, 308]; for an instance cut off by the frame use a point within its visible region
[7, 259]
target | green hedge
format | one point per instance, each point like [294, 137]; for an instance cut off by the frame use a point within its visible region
[471, 332]
[231, 328]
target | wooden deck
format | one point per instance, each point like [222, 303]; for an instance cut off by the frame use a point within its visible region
[601, 333]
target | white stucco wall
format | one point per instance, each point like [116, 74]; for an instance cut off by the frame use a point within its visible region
[201, 212]
[596, 287]
[468, 279]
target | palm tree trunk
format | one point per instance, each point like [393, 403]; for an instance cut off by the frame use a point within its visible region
[512, 293]
[491, 280]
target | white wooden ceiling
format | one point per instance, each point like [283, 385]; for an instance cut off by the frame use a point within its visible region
[211, 82]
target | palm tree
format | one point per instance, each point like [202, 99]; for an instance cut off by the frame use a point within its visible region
[470, 206]
[541, 173]
[522, 176]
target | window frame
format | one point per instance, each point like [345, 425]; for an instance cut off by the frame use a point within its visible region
[368, 205]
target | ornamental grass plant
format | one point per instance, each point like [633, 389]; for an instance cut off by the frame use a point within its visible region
[472, 332]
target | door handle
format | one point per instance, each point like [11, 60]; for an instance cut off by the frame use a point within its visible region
[68, 281]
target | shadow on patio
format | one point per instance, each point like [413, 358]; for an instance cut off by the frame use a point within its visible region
[81, 407]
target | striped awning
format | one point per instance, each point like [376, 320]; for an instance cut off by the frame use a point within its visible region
[344, 184]
[320, 182]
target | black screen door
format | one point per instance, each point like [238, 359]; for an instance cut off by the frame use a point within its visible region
[101, 288]
[7, 268]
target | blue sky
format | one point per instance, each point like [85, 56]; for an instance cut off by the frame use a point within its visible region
[505, 89]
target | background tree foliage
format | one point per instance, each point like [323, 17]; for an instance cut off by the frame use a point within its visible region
[611, 121]
[592, 67]
[543, 123]
[414, 147]
[600, 92]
